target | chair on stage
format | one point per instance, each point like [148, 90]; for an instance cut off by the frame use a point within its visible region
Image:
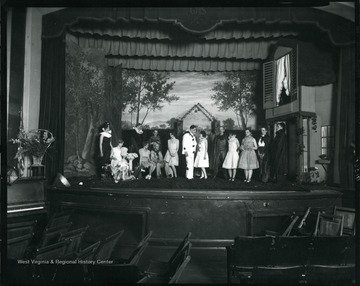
[285, 275]
[174, 279]
[52, 235]
[246, 253]
[330, 275]
[349, 219]
[75, 237]
[291, 250]
[160, 268]
[329, 225]
[330, 250]
[135, 256]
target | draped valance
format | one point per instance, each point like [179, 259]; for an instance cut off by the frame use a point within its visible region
[135, 30]
[169, 64]
[199, 50]
[200, 21]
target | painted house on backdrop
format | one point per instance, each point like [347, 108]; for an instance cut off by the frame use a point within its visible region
[197, 115]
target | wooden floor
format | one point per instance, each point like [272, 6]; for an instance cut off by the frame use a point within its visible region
[207, 265]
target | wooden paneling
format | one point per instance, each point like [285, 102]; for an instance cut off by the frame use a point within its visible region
[213, 215]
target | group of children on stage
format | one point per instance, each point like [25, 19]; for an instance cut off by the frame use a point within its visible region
[149, 157]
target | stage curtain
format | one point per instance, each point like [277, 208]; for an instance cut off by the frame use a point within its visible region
[346, 112]
[282, 76]
[52, 101]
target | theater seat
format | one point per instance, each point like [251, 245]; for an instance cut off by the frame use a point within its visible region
[291, 250]
[330, 275]
[331, 250]
[160, 268]
[160, 280]
[246, 253]
[286, 275]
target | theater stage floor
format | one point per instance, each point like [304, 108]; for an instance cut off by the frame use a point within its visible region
[184, 184]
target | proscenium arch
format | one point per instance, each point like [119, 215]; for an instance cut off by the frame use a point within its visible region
[56, 24]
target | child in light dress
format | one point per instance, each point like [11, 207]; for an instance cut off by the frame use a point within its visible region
[145, 162]
[248, 160]
[232, 156]
[120, 165]
[172, 157]
[202, 157]
[157, 158]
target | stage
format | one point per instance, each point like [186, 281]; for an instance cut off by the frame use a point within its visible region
[214, 216]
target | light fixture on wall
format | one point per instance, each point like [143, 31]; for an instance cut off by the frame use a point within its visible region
[60, 181]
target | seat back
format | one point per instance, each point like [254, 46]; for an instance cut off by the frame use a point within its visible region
[328, 225]
[330, 274]
[350, 254]
[106, 247]
[60, 218]
[291, 250]
[137, 253]
[16, 247]
[251, 251]
[52, 235]
[331, 250]
[175, 278]
[89, 252]
[349, 219]
[286, 275]
[290, 227]
[75, 237]
[53, 251]
[20, 229]
[180, 247]
[179, 259]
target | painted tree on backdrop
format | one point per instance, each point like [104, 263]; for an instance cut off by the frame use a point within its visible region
[236, 92]
[229, 124]
[117, 98]
[148, 92]
[84, 96]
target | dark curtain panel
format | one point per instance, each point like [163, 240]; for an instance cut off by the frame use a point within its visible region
[347, 117]
[52, 101]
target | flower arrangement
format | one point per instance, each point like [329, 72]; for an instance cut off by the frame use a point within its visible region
[34, 143]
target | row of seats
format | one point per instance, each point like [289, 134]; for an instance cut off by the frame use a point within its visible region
[59, 241]
[292, 250]
[341, 275]
[288, 252]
